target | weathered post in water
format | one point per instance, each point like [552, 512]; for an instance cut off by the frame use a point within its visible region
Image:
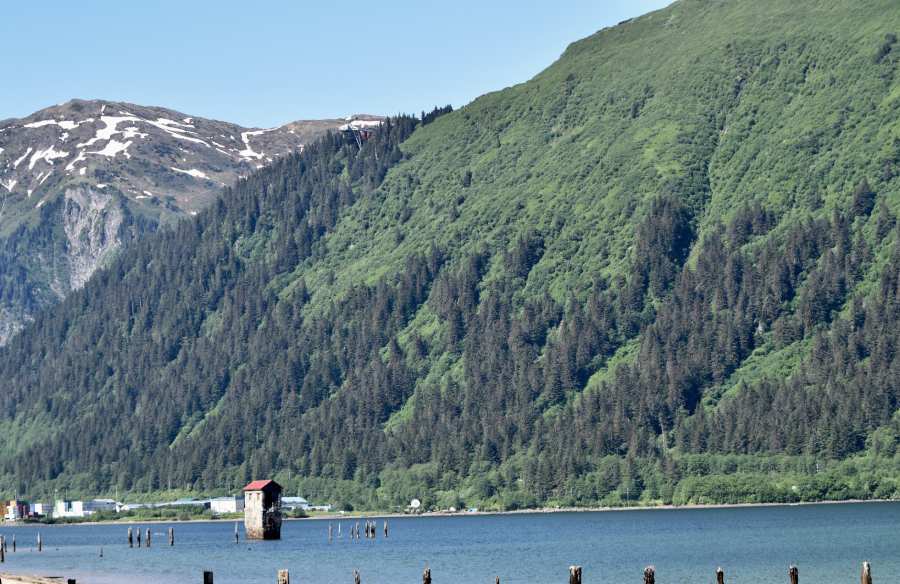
[207, 577]
[426, 576]
[130, 538]
[649, 575]
[138, 537]
[237, 539]
[385, 528]
[356, 579]
[101, 551]
[866, 576]
[793, 575]
[14, 543]
[70, 581]
[40, 543]
[720, 576]
[148, 537]
[2, 552]
[171, 536]
[284, 577]
[330, 527]
[574, 574]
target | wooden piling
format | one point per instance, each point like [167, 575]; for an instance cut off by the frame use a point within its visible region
[649, 575]
[793, 575]
[70, 581]
[356, 578]
[866, 575]
[148, 537]
[385, 528]
[497, 580]
[138, 537]
[14, 543]
[130, 538]
[330, 534]
[207, 577]
[720, 576]
[2, 551]
[171, 536]
[284, 577]
[101, 551]
[237, 538]
[40, 542]
[426, 576]
[574, 574]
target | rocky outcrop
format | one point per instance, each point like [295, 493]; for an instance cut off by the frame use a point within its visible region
[91, 221]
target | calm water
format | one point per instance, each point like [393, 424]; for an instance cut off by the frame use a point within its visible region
[753, 545]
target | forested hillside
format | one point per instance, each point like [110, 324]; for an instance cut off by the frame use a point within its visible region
[666, 269]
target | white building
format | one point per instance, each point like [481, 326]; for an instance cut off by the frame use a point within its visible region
[41, 509]
[64, 508]
[226, 505]
[292, 503]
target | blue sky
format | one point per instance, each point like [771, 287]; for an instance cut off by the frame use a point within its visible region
[265, 63]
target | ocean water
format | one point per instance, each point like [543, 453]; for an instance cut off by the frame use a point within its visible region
[754, 545]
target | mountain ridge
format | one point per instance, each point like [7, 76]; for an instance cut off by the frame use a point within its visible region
[110, 171]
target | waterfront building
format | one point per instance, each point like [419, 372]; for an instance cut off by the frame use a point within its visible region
[262, 510]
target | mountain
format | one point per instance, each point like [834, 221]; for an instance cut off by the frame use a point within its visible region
[666, 269]
[79, 179]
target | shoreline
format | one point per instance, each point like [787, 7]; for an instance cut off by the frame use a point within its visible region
[8, 578]
[397, 515]
[546, 510]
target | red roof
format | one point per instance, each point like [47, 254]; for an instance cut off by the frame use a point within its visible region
[261, 485]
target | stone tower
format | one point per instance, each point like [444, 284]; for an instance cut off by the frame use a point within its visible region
[262, 510]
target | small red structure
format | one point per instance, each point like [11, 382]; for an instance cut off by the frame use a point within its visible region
[262, 510]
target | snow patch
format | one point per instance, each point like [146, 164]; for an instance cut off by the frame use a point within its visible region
[357, 124]
[8, 185]
[64, 124]
[78, 158]
[111, 123]
[192, 172]
[23, 157]
[248, 152]
[48, 155]
[113, 147]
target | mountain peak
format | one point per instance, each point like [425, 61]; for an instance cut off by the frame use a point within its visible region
[104, 161]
